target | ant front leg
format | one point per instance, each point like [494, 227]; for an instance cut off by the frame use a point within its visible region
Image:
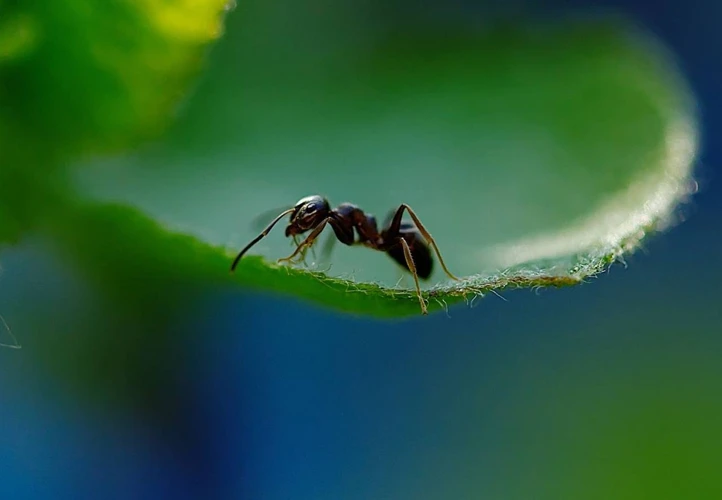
[395, 226]
[302, 256]
[303, 246]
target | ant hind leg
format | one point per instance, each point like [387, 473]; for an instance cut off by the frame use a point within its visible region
[396, 224]
[412, 268]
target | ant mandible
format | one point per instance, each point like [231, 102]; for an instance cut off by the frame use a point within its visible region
[400, 240]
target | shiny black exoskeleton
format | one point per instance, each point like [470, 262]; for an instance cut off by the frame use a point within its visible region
[407, 243]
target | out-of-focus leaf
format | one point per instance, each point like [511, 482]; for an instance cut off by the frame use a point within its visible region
[85, 77]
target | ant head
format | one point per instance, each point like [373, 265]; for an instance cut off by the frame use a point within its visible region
[307, 214]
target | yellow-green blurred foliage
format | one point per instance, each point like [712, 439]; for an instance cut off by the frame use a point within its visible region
[84, 77]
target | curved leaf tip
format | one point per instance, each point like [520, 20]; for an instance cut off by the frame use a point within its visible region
[536, 157]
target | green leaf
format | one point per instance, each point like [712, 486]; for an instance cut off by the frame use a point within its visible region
[138, 262]
[535, 154]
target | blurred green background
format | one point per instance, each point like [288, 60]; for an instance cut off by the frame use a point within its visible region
[143, 374]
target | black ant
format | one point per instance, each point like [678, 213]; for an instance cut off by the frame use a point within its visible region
[401, 240]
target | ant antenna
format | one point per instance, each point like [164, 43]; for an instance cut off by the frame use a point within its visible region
[260, 237]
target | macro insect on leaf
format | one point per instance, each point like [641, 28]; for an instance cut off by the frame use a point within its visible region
[406, 242]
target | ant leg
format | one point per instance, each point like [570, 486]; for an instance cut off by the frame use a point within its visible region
[303, 252]
[412, 268]
[396, 223]
[307, 242]
[295, 240]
